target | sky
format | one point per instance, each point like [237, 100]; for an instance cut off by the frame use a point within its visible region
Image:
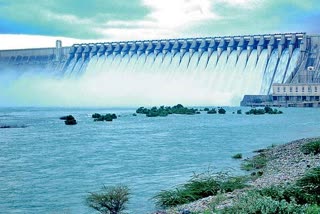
[25, 23]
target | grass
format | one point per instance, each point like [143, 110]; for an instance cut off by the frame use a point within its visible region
[199, 186]
[311, 148]
[237, 156]
[256, 162]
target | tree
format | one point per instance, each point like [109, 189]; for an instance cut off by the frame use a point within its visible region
[110, 200]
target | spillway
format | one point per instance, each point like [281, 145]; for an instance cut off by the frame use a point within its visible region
[195, 71]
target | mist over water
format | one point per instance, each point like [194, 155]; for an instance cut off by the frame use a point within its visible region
[116, 80]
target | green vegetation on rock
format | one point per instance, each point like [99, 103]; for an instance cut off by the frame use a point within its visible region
[265, 110]
[163, 111]
[106, 117]
[256, 162]
[237, 156]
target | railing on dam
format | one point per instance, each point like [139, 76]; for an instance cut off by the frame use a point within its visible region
[209, 44]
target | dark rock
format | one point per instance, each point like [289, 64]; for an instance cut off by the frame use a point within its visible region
[69, 120]
[212, 111]
[260, 173]
[114, 116]
[134, 114]
[12, 126]
[96, 115]
[221, 111]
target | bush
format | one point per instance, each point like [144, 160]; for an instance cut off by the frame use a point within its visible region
[206, 109]
[110, 200]
[237, 156]
[312, 209]
[199, 186]
[310, 184]
[239, 111]
[256, 162]
[253, 202]
[311, 148]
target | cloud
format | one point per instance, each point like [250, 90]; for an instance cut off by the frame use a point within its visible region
[154, 19]
[165, 19]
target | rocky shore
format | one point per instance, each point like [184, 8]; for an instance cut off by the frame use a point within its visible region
[285, 164]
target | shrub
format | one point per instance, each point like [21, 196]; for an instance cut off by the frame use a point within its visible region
[256, 162]
[311, 148]
[310, 184]
[237, 156]
[253, 202]
[199, 186]
[206, 109]
[312, 209]
[232, 183]
[110, 200]
[239, 111]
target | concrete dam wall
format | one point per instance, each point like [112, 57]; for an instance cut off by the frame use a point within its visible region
[213, 67]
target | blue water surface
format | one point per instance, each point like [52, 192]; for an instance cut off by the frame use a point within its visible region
[49, 167]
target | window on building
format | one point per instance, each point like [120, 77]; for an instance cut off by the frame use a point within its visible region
[297, 89]
[302, 89]
[278, 89]
[290, 89]
[284, 89]
[315, 89]
[309, 89]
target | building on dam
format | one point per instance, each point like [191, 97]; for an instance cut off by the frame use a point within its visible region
[277, 69]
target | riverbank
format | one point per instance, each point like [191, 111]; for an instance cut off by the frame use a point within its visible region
[284, 164]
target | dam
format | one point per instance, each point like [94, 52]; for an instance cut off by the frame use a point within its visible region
[209, 68]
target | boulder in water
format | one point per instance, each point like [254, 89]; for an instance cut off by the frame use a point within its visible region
[69, 120]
